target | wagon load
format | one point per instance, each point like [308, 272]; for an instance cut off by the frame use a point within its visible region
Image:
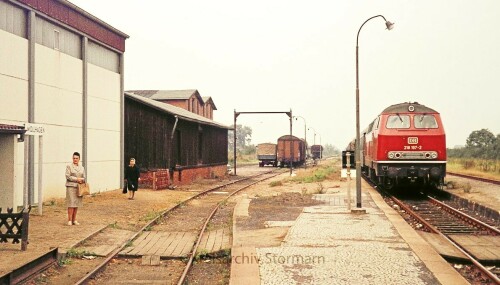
[266, 154]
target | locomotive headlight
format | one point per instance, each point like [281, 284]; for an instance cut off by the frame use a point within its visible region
[397, 155]
[391, 155]
[434, 155]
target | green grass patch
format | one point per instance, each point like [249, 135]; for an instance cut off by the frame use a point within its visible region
[276, 183]
[78, 253]
[317, 175]
[477, 167]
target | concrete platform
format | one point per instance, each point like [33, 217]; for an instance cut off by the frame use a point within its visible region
[329, 245]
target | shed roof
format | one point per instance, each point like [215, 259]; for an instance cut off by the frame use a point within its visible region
[403, 108]
[11, 129]
[167, 94]
[173, 110]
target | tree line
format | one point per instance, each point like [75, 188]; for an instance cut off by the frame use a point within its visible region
[480, 144]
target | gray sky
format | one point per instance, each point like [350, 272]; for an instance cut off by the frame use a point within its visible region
[275, 55]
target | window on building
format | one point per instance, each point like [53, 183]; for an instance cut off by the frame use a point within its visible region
[56, 40]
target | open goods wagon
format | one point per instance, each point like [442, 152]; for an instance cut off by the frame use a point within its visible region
[267, 154]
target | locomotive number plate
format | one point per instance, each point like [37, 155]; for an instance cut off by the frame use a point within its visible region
[412, 140]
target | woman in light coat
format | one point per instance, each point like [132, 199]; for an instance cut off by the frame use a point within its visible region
[75, 174]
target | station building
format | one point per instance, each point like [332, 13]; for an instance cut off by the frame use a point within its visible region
[61, 91]
[180, 137]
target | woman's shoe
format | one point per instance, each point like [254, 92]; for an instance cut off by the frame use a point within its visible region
[70, 223]
[76, 223]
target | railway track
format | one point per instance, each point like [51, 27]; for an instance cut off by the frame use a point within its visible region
[439, 218]
[175, 220]
[475, 178]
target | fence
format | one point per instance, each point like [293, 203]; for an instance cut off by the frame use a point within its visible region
[15, 226]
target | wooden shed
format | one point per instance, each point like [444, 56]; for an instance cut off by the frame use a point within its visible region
[161, 136]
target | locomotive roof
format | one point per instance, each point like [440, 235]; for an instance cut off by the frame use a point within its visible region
[403, 108]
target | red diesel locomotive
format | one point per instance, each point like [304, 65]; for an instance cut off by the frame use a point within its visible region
[405, 143]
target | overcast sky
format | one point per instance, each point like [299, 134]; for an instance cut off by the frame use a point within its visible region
[279, 55]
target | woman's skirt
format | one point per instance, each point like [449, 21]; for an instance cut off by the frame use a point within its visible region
[133, 185]
[72, 200]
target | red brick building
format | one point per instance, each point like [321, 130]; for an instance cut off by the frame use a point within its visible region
[189, 100]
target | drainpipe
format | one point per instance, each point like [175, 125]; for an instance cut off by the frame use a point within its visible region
[171, 143]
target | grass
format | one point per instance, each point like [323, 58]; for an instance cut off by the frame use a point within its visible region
[150, 216]
[78, 253]
[476, 167]
[276, 183]
[318, 174]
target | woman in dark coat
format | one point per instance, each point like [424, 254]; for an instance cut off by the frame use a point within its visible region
[132, 175]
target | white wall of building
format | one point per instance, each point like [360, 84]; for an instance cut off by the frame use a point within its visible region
[103, 128]
[59, 105]
[13, 77]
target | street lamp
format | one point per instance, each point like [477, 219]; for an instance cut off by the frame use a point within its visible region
[305, 137]
[321, 147]
[389, 26]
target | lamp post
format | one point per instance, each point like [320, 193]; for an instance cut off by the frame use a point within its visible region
[321, 147]
[389, 26]
[305, 137]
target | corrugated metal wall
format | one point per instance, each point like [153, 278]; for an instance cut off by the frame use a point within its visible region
[104, 57]
[147, 138]
[12, 19]
[56, 37]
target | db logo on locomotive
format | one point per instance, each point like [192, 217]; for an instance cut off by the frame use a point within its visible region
[413, 140]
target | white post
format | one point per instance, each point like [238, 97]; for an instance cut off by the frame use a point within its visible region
[40, 167]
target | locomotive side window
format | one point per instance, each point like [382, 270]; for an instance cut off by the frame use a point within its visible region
[425, 122]
[376, 124]
[398, 122]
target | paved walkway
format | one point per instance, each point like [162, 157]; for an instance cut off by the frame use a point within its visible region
[329, 245]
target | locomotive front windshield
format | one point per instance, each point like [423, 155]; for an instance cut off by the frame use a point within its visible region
[398, 122]
[425, 122]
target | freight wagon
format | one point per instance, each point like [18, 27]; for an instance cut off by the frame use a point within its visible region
[292, 150]
[267, 154]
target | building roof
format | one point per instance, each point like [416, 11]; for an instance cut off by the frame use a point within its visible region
[208, 99]
[11, 129]
[173, 110]
[167, 94]
[404, 108]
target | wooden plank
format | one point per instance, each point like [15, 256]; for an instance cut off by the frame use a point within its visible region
[159, 242]
[185, 245]
[139, 243]
[218, 241]
[483, 248]
[211, 241]
[165, 240]
[169, 251]
[167, 244]
[154, 237]
[226, 242]
[442, 246]
[203, 243]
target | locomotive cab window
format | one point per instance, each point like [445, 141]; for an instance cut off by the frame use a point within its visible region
[398, 122]
[425, 122]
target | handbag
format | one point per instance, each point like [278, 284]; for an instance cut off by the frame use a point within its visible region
[83, 189]
[125, 189]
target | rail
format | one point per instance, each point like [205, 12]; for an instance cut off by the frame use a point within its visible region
[497, 182]
[103, 264]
